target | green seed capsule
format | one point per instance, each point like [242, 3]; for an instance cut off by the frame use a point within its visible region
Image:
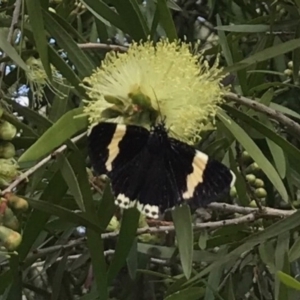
[250, 178]
[260, 193]
[252, 168]
[233, 192]
[7, 150]
[253, 204]
[245, 156]
[288, 72]
[7, 131]
[258, 183]
[10, 238]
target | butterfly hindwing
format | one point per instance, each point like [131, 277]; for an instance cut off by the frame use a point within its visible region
[200, 179]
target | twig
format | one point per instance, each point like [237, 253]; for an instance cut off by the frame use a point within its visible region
[270, 112]
[30, 171]
[266, 211]
[207, 225]
[102, 46]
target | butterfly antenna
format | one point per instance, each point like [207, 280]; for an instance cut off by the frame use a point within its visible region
[159, 110]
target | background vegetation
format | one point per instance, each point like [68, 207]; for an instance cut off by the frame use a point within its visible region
[242, 251]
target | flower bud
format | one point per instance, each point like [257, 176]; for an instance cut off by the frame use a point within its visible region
[7, 131]
[7, 150]
[11, 239]
[16, 202]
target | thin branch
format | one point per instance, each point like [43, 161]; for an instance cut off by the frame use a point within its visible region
[207, 225]
[102, 46]
[25, 175]
[270, 112]
[266, 211]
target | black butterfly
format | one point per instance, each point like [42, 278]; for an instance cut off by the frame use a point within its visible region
[152, 171]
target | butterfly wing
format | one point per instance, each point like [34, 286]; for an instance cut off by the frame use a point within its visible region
[111, 146]
[119, 151]
[154, 172]
[200, 180]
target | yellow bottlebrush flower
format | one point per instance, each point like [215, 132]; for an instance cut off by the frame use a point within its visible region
[38, 79]
[148, 81]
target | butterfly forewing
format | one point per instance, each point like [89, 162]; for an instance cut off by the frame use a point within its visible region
[111, 146]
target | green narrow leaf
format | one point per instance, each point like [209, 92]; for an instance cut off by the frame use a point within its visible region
[240, 185]
[63, 213]
[265, 54]
[294, 252]
[60, 64]
[71, 180]
[266, 251]
[79, 58]
[10, 51]
[278, 157]
[58, 276]
[230, 289]
[285, 110]
[166, 19]
[296, 59]
[290, 149]
[36, 20]
[106, 207]
[288, 280]
[129, 224]
[15, 290]
[101, 30]
[132, 260]
[184, 234]
[254, 152]
[59, 105]
[131, 15]
[32, 116]
[103, 12]
[56, 135]
[248, 243]
[192, 293]
[213, 282]
[203, 237]
[5, 280]
[53, 193]
[224, 44]
[255, 28]
[96, 248]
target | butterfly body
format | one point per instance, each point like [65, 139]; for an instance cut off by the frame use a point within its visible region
[153, 172]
